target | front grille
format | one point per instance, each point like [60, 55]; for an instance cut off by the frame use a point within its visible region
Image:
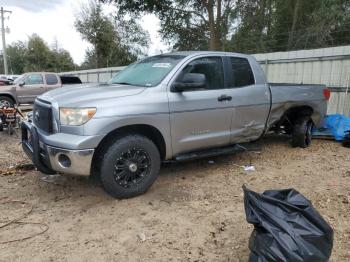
[42, 117]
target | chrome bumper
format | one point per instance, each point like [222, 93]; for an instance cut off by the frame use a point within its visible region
[49, 159]
[74, 162]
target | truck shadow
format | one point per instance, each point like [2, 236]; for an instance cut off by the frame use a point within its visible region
[269, 142]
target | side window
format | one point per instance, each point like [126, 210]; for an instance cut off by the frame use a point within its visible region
[242, 74]
[51, 79]
[34, 79]
[211, 67]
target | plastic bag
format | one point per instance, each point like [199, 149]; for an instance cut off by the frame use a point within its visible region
[338, 124]
[286, 227]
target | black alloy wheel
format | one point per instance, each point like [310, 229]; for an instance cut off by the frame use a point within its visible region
[131, 167]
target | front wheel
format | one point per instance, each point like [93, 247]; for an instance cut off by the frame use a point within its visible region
[302, 132]
[130, 166]
[6, 101]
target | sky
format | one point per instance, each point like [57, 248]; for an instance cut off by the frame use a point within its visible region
[54, 20]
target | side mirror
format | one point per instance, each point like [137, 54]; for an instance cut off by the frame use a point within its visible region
[21, 83]
[189, 81]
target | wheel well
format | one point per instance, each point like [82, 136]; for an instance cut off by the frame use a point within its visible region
[290, 116]
[9, 96]
[294, 113]
[148, 131]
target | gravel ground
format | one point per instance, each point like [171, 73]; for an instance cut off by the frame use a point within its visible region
[194, 211]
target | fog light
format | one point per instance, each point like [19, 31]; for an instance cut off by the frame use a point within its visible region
[64, 161]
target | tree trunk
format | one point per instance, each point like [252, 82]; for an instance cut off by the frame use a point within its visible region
[294, 24]
[219, 26]
[262, 18]
[214, 42]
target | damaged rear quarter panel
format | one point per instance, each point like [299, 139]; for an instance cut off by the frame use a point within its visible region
[286, 96]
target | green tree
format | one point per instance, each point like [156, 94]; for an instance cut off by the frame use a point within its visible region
[114, 41]
[132, 40]
[60, 60]
[330, 24]
[192, 24]
[281, 25]
[37, 55]
[97, 30]
[253, 32]
[16, 57]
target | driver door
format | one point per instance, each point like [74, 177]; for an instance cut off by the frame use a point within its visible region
[199, 118]
[33, 85]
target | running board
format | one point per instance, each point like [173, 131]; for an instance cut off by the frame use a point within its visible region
[217, 152]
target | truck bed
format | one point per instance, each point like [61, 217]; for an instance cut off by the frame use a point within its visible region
[285, 96]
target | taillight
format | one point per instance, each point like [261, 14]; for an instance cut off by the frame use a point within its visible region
[326, 93]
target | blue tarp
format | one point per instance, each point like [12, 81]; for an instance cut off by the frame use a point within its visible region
[338, 124]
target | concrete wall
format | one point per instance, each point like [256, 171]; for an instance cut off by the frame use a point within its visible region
[329, 66]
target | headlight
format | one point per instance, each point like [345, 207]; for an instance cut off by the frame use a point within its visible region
[76, 116]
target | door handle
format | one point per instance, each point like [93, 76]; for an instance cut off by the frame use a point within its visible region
[224, 98]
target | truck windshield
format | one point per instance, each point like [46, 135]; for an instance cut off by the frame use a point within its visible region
[148, 72]
[19, 79]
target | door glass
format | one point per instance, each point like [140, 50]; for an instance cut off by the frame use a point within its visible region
[51, 79]
[211, 67]
[34, 79]
[242, 74]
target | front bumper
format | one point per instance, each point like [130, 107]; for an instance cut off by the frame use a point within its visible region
[50, 159]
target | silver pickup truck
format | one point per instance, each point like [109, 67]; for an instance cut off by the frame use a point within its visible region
[169, 107]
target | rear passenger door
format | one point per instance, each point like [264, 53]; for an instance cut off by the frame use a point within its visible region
[250, 100]
[51, 81]
[198, 117]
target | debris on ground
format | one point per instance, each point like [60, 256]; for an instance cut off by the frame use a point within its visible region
[19, 168]
[142, 237]
[18, 221]
[247, 168]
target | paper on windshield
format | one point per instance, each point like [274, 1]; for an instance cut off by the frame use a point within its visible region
[162, 65]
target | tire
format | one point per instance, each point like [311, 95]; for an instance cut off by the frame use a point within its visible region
[1, 127]
[7, 101]
[130, 165]
[302, 132]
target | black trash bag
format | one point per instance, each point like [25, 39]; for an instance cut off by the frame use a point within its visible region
[346, 141]
[286, 227]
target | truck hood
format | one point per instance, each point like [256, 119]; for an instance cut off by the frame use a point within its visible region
[89, 94]
[7, 88]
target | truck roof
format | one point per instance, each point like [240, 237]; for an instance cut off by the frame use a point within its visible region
[193, 53]
[40, 73]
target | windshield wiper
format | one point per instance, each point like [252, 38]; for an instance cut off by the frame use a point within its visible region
[122, 83]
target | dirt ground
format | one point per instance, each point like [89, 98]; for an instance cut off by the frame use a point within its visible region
[194, 211]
